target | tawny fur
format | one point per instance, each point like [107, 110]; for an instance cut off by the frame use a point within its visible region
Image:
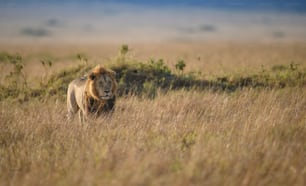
[93, 95]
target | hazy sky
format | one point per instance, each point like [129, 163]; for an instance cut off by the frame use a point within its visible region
[284, 5]
[136, 20]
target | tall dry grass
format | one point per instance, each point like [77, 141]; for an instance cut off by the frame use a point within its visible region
[249, 137]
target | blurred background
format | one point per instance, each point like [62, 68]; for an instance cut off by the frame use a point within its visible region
[122, 21]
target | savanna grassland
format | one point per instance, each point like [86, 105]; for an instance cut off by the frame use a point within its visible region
[186, 114]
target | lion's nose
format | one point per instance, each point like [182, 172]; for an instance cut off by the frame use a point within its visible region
[106, 91]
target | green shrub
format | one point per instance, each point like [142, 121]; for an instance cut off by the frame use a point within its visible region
[16, 81]
[180, 65]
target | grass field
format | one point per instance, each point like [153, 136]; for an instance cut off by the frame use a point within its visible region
[247, 136]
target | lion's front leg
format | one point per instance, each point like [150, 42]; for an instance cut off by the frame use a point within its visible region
[69, 116]
[82, 117]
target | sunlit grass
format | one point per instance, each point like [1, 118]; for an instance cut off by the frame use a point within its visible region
[249, 137]
[243, 127]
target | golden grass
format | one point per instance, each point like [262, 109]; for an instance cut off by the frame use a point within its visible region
[249, 137]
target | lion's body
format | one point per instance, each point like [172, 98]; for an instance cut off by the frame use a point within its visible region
[93, 95]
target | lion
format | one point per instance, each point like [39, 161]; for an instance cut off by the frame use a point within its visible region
[92, 95]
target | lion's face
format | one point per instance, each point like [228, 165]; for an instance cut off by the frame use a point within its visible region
[103, 84]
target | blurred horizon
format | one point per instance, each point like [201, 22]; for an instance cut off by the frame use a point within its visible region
[276, 5]
[161, 21]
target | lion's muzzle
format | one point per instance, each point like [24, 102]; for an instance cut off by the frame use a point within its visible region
[107, 95]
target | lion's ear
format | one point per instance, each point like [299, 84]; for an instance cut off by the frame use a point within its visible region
[113, 73]
[92, 76]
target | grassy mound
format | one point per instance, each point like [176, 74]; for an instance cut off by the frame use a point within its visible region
[279, 76]
[146, 78]
[58, 83]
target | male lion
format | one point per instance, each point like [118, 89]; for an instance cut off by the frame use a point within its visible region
[92, 95]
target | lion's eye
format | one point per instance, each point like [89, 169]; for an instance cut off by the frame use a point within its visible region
[109, 83]
[106, 82]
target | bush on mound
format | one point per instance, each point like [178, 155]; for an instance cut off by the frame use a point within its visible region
[145, 78]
